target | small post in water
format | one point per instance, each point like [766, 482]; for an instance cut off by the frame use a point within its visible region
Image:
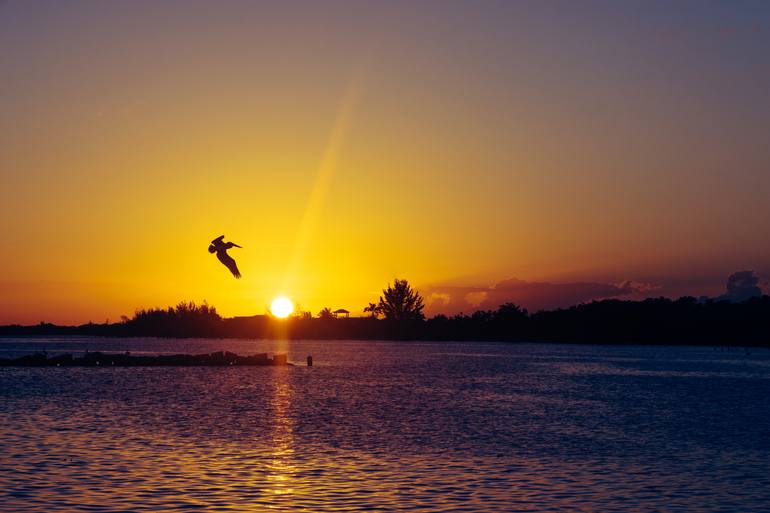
[309, 361]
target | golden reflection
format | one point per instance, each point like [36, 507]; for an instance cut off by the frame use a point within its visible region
[280, 467]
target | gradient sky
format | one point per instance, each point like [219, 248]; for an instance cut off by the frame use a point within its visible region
[455, 144]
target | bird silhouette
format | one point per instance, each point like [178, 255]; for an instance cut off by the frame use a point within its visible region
[220, 247]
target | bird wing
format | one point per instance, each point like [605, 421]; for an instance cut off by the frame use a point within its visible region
[228, 261]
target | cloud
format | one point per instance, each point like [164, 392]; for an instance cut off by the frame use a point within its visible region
[742, 285]
[476, 298]
[437, 298]
[531, 295]
[637, 287]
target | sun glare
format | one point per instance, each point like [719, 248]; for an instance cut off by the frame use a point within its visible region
[281, 307]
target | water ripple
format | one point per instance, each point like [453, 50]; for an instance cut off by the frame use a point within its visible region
[392, 426]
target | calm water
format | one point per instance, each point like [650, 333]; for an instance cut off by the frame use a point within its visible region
[386, 426]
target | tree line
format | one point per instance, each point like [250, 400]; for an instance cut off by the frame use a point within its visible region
[399, 315]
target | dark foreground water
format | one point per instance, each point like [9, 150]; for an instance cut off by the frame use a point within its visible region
[386, 426]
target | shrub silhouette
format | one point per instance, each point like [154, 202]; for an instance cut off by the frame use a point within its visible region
[185, 319]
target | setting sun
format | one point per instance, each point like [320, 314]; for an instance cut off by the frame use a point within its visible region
[281, 307]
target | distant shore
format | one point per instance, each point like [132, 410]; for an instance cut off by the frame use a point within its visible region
[684, 321]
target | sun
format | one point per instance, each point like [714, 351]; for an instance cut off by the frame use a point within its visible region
[281, 307]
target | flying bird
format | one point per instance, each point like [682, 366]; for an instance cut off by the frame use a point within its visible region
[220, 247]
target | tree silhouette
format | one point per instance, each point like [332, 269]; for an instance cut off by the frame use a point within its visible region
[611, 321]
[509, 312]
[400, 302]
[373, 309]
[326, 313]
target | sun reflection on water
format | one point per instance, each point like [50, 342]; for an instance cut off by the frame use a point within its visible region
[281, 467]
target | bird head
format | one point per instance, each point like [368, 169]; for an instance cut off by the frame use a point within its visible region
[212, 249]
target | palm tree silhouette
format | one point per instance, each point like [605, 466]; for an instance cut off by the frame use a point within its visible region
[373, 309]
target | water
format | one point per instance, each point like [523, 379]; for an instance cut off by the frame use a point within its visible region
[390, 426]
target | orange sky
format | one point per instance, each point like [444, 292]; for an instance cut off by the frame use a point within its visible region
[349, 144]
